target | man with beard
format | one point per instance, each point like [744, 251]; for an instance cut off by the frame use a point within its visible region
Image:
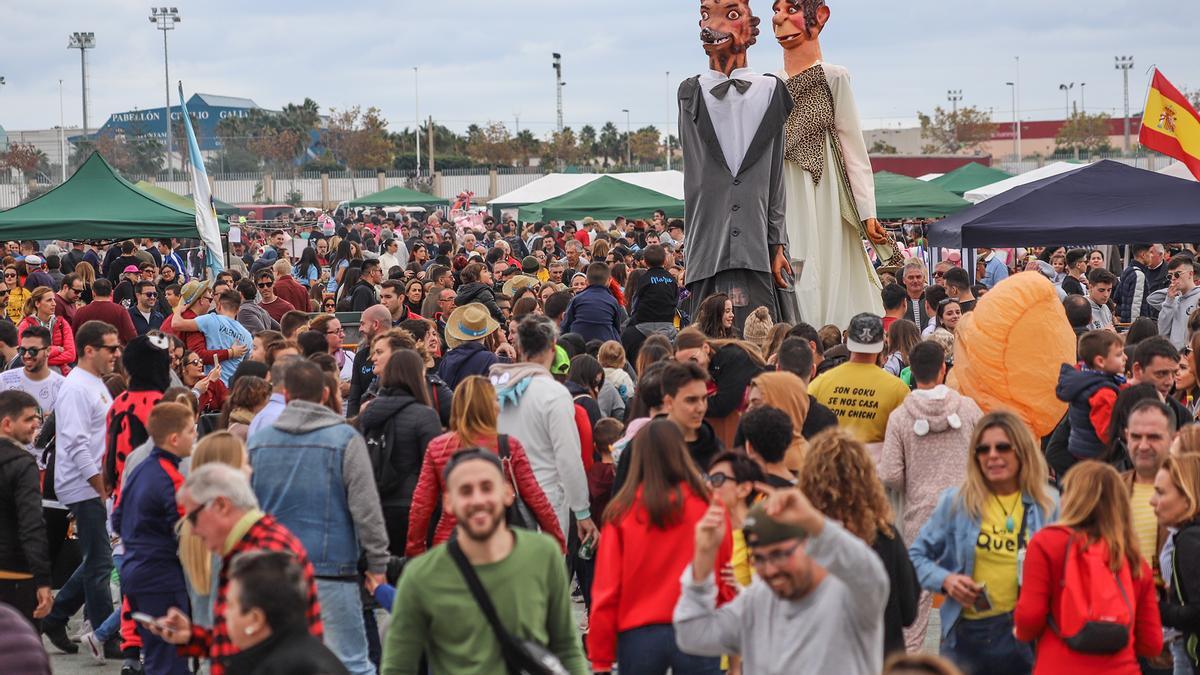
[731, 131]
[521, 571]
[821, 603]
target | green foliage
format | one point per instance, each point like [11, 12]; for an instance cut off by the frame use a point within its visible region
[1083, 133]
[882, 148]
[952, 132]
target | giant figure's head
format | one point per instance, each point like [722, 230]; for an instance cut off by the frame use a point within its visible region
[798, 21]
[728, 28]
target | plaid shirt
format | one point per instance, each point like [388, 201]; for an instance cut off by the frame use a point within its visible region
[265, 535]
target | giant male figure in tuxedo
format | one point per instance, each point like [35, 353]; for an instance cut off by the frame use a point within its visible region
[731, 123]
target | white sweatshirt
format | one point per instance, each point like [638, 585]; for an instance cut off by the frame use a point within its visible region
[80, 411]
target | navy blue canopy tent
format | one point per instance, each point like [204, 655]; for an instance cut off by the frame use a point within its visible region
[1102, 203]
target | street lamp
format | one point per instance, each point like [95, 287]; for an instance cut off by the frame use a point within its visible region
[1066, 90]
[1125, 64]
[628, 139]
[83, 42]
[954, 96]
[164, 19]
[417, 114]
[1016, 123]
[1082, 99]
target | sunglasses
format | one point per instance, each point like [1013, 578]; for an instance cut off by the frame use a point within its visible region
[150, 294]
[938, 275]
[31, 352]
[10, 275]
[111, 349]
[718, 479]
[266, 284]
[191, 517]
[1002, 448]
[195, 362]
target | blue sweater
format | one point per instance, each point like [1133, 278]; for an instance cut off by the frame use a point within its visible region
[145, 517]
[593, 314]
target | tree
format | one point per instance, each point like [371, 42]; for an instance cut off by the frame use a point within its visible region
[359, 139]
[646, 145]
[560, 149]
[953, 132]
[278, 139]
[526, 146]
[26, 159]
[140, 155]
[610, 144]
[1083, 133]
[491, 145]
[588, 145]
[882, 148]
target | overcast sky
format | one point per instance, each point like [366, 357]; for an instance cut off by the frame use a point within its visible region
[484, 60]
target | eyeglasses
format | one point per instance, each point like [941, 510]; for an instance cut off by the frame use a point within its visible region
[774, 557]
[31, 352]
[77, 290]
[1002, 448]
[718, 479]
[340, 331]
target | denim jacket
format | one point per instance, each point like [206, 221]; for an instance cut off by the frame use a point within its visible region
[946, 545]
[313, 474]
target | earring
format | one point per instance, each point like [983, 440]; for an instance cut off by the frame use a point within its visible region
[249, 630]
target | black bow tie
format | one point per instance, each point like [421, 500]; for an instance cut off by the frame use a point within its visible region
[720, 90]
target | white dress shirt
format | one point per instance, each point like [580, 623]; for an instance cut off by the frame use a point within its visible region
[736, 117]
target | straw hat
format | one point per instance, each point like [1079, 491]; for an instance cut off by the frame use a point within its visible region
[190, 294]
[517, 283]
[469, 323]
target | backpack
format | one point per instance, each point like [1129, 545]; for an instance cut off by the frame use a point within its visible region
[379, 449]
[1096, 615]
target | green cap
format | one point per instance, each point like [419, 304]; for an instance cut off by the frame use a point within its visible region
[562, 363]
[759, 529]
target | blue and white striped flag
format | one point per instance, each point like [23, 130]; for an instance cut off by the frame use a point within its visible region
[206, 214]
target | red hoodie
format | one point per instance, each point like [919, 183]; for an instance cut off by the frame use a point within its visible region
[638, 567]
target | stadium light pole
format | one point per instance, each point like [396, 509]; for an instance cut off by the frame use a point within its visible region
[954, 96]
[417, 114]
[628, 139]
[1082, 97]
[1016, 123]
[1066, 90]
[164, 19]
[83, 42]
[668, 134]
[1125, 64]
[62, 137]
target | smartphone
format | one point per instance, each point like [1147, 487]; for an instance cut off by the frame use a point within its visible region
[325, 271]
[146, 620]
[982, 602]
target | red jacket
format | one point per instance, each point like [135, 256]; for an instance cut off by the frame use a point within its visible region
[428, 493]
[1041, 598]
[638, 567]
[193, 339]
[62, 341]
[290, 290]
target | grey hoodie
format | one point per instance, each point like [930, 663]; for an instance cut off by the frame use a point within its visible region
[303, 417]
[1173, 316]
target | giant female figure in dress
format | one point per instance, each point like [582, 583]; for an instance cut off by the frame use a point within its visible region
[827, 177]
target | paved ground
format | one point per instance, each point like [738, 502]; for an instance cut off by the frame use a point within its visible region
[78, 664]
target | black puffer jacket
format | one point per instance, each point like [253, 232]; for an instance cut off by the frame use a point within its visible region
[23, 544]
[477, 291]
[408, 427]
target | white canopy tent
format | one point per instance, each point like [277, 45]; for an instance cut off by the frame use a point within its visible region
[1178, 170]
[930, 176]
[669, 183]
[988, 191]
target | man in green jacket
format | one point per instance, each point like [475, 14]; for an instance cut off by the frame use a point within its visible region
[522, 572]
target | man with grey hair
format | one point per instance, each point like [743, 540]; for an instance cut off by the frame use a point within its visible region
[914, 279]
[574, 260]
[224, 514]
[533, 406]
[374, 320]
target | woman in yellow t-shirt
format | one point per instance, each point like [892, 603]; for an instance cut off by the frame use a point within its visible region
[972, 547]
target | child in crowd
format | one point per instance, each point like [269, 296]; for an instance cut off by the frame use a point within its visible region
[612, 358]
[1091, 390]
[600, 477]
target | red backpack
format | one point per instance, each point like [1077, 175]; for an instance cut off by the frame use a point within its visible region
[1096, 615]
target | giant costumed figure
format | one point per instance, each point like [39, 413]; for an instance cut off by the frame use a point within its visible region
[827, 177]
[731, 131]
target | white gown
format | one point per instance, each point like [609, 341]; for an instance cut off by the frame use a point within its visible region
[835, 278]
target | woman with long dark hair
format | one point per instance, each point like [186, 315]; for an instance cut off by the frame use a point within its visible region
[399, 424]
[307, 271]
[715, 317]
[649, 533]
[1096, 520]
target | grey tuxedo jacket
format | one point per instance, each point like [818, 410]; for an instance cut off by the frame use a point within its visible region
[732, 221]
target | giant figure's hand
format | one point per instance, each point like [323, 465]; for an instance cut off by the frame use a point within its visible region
[875, 231]
[779, 264]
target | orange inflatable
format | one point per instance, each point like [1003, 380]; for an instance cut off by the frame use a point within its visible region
[1008, 351]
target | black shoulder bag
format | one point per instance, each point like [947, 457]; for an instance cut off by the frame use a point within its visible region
[519, 514]
[523, 657]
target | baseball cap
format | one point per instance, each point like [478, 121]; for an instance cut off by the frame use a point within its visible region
[759, 529]
[866, 334]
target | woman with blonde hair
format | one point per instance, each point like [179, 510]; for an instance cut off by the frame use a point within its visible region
[39, 311]
[86, 274]
[1096, 521]
[1176, 503]
[200, 565]
[839, 478]
[1003, 502]
[786, 391]
[775, 337]
[473, 425]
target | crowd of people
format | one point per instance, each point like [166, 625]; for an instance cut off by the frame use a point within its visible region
[383, 443]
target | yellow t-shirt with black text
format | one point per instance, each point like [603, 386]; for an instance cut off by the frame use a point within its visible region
[996, 554]
[862, 395]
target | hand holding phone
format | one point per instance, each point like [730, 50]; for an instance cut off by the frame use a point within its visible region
[147, 620]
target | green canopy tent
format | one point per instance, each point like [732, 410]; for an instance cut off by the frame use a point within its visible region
[898, 197]
[95, 204]
[182, 201]
[603, 199]
[397, 196]
[968, 177]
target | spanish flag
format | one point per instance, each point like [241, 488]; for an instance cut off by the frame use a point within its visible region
[1171, 125]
